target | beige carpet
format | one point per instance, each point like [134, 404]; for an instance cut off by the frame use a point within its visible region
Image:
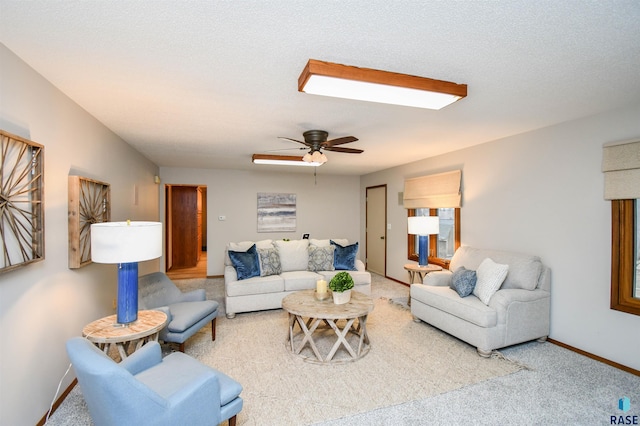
[407, 361]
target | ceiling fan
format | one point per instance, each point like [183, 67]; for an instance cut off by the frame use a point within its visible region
[316, 141]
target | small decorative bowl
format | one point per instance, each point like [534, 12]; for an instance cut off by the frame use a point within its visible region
[321, 296]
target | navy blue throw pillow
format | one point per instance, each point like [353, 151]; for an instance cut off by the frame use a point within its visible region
[247, 263]
[344, 258]
[463, 281]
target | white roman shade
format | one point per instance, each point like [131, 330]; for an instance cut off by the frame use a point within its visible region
[621, 167]
[433, 191]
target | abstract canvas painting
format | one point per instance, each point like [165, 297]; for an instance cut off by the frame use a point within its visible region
[276, 212]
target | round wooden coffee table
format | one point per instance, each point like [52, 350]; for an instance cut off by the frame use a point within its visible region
[345, 320]
[105, 333]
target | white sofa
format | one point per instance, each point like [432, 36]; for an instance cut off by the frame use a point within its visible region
[299, 263]
[517, 312]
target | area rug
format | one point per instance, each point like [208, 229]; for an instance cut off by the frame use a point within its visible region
[407, 361]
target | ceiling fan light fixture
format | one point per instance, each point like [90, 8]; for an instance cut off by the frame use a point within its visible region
[364, 84]
[307, 158]
[318, 157]
[282, 160]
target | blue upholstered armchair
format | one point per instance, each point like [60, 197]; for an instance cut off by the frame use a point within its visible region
[187, 312]
[146, 389]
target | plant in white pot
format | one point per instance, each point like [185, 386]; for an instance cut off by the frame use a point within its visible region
[340, 286]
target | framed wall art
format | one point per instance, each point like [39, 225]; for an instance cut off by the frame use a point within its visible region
[276, 212]
[21, 201]
[89, 203]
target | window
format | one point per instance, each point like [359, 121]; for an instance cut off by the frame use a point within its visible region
[441, 246]
[625, 256]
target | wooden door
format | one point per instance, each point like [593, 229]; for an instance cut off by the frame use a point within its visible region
[184, 228]
[377, 229]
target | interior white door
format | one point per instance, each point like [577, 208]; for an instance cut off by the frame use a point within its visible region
[377, 229]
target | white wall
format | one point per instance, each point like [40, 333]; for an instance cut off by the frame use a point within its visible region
[539, 193]
[328, 208]
[44, 304]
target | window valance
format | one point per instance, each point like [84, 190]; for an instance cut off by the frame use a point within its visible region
[621, 167]
[433, 191]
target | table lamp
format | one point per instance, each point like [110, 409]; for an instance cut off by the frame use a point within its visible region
[423, 226]
[126, 244]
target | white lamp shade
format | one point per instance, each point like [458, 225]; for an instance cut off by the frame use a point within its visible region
[125, 242]
[424, 225]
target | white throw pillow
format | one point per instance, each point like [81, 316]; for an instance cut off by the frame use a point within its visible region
[293, 254]
[490, 276]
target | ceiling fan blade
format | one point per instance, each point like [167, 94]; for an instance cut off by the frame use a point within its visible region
[340, 141]
[294, 140]
[346, 150]
[287, 149]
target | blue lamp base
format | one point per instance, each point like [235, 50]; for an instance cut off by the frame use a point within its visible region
[423, 250]
[127, 311]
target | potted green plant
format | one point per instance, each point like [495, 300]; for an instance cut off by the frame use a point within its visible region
[340, 286]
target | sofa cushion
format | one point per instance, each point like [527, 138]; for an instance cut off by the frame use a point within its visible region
[438, 278]
[255, 285]
[321, 258]
[269, 261]
[463, 281]
[300, 280]
[246, 263]
[186, 314]
[490, 276]
[345, 256]
[327, 243]
[524, 269]
[293, 254]
[447, 300]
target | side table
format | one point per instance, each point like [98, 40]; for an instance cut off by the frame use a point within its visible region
[106, 334]
[415, 269]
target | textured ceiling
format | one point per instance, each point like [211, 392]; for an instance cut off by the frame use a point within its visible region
[208, 83]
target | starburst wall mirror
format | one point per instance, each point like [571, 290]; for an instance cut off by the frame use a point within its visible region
[21, 201]
[89, 203]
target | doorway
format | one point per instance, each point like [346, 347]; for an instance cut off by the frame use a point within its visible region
[186, 231]
[376, 229]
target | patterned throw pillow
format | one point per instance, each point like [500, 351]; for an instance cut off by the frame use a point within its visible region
[463, 281]
[321, 258]
[246, 263]
[490, 277]
[344, 258]
[269, 262]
